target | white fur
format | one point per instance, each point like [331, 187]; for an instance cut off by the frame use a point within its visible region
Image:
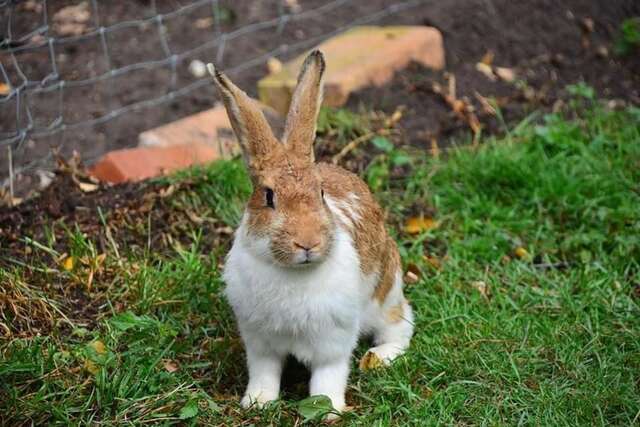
[315, 313]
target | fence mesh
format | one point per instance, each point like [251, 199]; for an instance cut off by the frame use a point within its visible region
[69, 69]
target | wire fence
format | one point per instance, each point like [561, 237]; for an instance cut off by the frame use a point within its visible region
[35, 107]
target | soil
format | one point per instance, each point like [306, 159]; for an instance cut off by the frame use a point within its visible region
[547, 43]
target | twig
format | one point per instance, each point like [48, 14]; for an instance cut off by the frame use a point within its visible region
[461, 108]
[351, 146]
[383, 131]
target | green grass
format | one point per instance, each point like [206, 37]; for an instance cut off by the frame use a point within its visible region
[553, 340]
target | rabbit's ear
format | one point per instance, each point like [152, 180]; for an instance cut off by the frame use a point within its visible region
[300, 127]
[249, 124]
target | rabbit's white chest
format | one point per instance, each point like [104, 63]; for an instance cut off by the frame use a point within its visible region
[305, 312]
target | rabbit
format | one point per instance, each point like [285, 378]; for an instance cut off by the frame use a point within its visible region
[312, 267]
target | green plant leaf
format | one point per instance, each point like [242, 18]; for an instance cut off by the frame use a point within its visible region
[398, 158]
[189, 410]
[314, 406]
[383, 144]
[129, 320]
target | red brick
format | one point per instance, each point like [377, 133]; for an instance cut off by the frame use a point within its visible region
[357, 58]
[135, 164]
[210, 127]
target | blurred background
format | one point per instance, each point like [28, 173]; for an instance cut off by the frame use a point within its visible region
[89, 76]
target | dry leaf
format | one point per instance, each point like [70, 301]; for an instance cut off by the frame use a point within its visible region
[293, 6]
[98, 346]
[370, 361]
[68, 263]
[395, 118]
[587, 25]
[522, 253]
[100, 259]
[435, 150]
[170, 365]
[4, 89]
[415, 225]
[411, 278]
[32, 6]
[487, 58]
[166, 192]
[413, 274]
[481, 287]
[486, 105]
[203, 23]
[87, 187]
[274, 65]
[72, 20]
[486, 70]
[194, 217]
[432, 261]
[506, 74]
[602, 51]
[91, 367]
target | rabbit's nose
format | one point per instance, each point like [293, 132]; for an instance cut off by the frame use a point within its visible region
[307, 245]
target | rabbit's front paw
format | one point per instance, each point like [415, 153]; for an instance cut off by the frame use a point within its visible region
[258, 398]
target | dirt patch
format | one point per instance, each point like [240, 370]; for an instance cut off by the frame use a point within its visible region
[547, 44]
[57, 244]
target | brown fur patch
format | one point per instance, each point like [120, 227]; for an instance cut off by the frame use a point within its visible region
[377, 250]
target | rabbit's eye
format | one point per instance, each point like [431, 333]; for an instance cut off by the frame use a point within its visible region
[269, 197]
[322, 193]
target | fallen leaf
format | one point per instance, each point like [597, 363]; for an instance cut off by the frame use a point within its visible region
[414, 269]
[432, 261]
[170, 365]
[68, 263]
[274, 65]
[434, 149]
[203, 23]
[98, 346]
[602, 51]
[194, 217]
[166, 192]
[487, 108]
[415, 225]
[90, 279]
[486, 70]
[72, 20]
[293, 6]
[91, 367]
[506, 74]
[522, 253]
[410, 278]
[370, 361]
[87, 187]
[32, 6]
[395, 117]
[587, 25]
[100, 259]
[482, 287]
[4, 89]
[487, 58]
